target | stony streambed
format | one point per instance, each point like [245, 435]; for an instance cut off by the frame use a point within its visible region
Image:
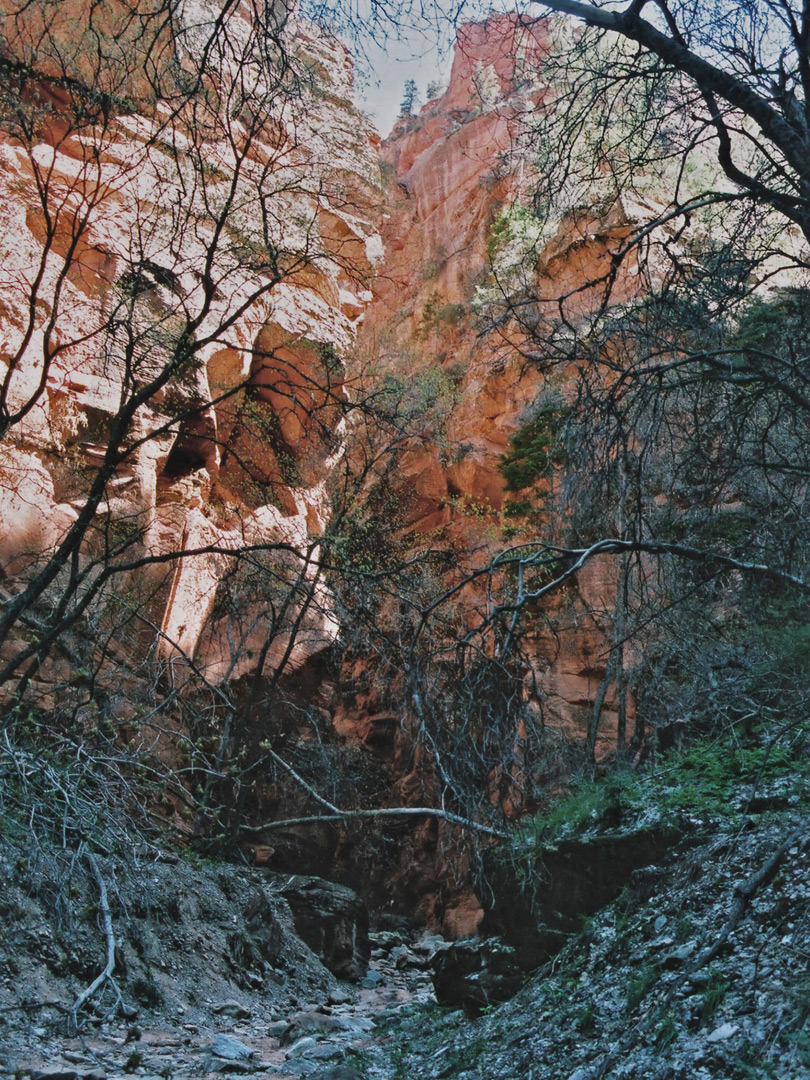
[700, 970]
[293, 1019]
[327, 1039]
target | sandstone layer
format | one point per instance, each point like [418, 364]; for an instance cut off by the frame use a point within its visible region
[169, 178]
[192, 275]
[454, 170]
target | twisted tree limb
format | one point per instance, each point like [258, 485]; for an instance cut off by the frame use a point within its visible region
[744, 890]
[384, 812]
[106, 974]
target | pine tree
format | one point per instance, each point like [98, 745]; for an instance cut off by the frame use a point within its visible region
[408, 98]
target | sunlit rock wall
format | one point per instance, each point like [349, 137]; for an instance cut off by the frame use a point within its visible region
[453, 169]
[243, 207]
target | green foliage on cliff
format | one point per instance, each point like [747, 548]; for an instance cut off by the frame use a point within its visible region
[710, 780]
[516, 237]
[775, 324]
[535, 449]
[728, 735]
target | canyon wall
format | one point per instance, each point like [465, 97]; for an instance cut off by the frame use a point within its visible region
[454, 171]
[194, 224]
[178, 179]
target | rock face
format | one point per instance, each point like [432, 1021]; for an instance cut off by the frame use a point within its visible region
[333, 921]
[453, 173]
[193, 209]
[454, 170]
[572, 881]
[189, 247]
[258, 942]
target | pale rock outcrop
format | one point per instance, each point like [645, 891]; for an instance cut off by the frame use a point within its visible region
[119, 210]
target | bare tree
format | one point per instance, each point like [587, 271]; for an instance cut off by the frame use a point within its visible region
[756, 71]
[180, 228]
[176, 189]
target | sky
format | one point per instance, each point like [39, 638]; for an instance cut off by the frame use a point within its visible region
[389, 48]
[379, 85]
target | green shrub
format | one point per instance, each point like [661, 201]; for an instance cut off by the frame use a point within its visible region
[536, 448]
[586, 1018]
[666, 1032]
[640, 986]
[713, 996]
[589, 804]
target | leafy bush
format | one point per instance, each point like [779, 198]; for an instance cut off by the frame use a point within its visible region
[536, 448]
[711, 779]
[768, 323]
[588, 805]
[640, 986]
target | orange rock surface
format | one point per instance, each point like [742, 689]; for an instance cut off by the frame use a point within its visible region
[454, 169]
[250, 466]
[124, 204]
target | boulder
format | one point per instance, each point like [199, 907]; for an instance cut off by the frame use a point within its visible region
[226, 1046]
[333, 921]
[476, 973]
[323, 1024]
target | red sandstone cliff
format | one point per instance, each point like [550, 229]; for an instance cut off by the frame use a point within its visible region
[453, 170]
[167, 177]
[244, 213]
